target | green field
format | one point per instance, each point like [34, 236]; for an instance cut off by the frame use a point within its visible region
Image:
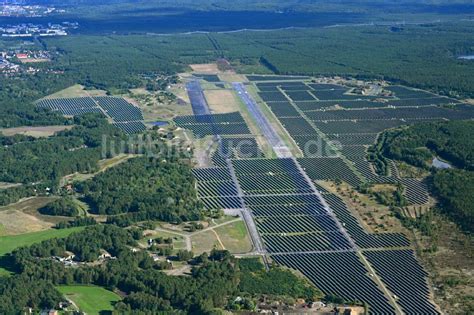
[90, 299]
[234, 236]
[12, 242]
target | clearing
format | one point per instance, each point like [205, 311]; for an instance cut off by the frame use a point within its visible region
[154, 110]
[90, 299]
[227, 232]
[205, 68]
[103, 166]
[37, 132]
[374, 217]
[76, 90]
[451, 266]
[221, 101]
[34, 60]
[204, 242]
[234, 237]
[5, 185]
[23, 217]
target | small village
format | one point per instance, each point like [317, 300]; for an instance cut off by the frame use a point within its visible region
[17, 8]
[16, 61]
[30, 30]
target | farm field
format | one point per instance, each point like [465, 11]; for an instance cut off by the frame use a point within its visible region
[90, 299]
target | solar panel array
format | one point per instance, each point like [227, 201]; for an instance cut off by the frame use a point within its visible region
[294, 223]
[216, 188]
[340, 274]
[71, 106]
[333, 126]
[405, 278]
[125, 116]
[214, 124]
[119, 109]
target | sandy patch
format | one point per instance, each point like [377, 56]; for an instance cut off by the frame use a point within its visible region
[232, 77]
[221, 101]
[207, 68]
[16, 222]
[44, 131]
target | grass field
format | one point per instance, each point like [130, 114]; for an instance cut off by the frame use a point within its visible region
[90, 299]
[207, 68]
[221, 101]
[23, 217]
[76, 91]
[204, 242]
[234, 237]
[12, 242]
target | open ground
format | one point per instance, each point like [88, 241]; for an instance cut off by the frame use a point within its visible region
[91, 300]
[222, 101]
[37, 132]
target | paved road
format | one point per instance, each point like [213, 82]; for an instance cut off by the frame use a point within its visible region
[200, 107]
[278, 145]
[196, 96]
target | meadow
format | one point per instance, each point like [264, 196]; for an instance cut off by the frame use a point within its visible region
[90, 299]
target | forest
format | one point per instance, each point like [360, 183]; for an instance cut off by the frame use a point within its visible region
[452, 141]
[215, 280]
[28, 160]
[161, 188]
[62, 207]
[298, 51]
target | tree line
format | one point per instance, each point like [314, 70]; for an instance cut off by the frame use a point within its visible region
[214, 283]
